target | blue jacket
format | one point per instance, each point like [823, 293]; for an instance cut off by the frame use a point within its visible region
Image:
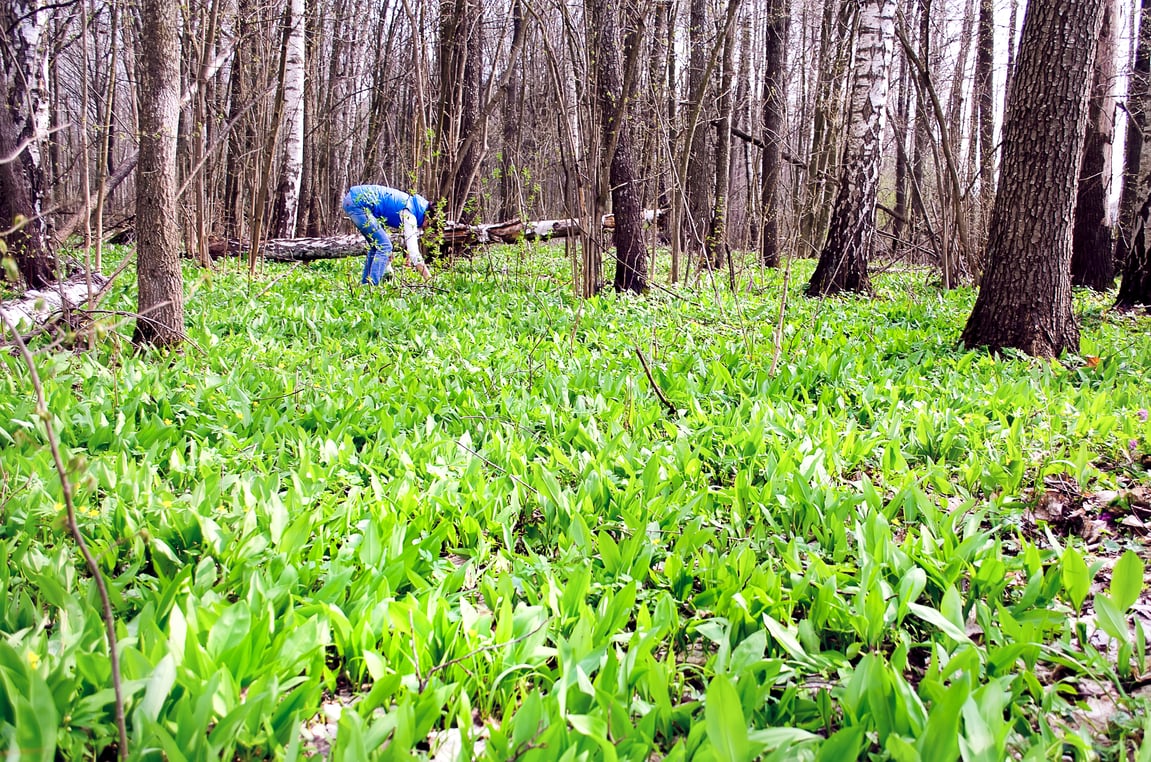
[387, 203]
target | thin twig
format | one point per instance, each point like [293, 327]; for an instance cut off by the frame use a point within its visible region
[97, 575]
[658, 392]
[778, 338]
[499, 468]
[482, 649]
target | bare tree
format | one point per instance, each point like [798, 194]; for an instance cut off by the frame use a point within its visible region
[631, 251]
[1137, 107]
[160, 283]
[1092, 262]
[1025, 298]
[843, 261]
[774, 126]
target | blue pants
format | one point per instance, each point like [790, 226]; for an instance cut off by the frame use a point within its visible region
[379, 242]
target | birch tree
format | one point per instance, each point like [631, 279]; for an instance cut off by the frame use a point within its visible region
[291, 165]
[843, 260]
[23, 129]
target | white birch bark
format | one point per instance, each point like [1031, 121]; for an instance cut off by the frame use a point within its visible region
[291, 164]
[843, 262]
[27, 96]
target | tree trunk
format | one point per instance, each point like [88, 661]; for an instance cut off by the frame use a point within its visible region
[23, 127]
[829, 87]
[1138, 104]
[285, 209]
[717, 244]
[843, 261]
[985, 105]
[160, 283]
[698, 179]
[1092, 262]
[774, 126]
[18, 210]
[631, 252]
[1135, 289]
[1025, 299]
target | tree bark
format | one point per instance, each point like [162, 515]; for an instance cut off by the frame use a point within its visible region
[159, 280]
[23, 127]
[1138, 106]
[1092, 262]
[1135, 289]
[631, 251]
[843, 261]
[285, 209]
[985, 106]
[717, 244]
[774, 125]
[698, 180]
[1025, 298]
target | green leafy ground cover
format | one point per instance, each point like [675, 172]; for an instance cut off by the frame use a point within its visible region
[378, 524]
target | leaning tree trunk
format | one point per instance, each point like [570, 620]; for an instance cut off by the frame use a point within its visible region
[1025, 298]
[843, 261]
[774, 126]
[631, 252]
[1092, 262]
[23, 126]
[160, 284]
[1138, 104]
[285, 209]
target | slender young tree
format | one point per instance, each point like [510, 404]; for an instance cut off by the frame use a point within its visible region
[160, 283]
[1092, 256]
[843, 261]
[631, 251]
[1137, 107]
[774, 125]
[1024, 300]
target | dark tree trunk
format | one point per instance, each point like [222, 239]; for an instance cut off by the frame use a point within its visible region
[159, 280]
[1092, 262]
[774, 105]
[985, 105]
[843, 261]
[1025, 298]
[698, 178]
[1138, 103]
[902, 121]
[631, 252]
[1135, 289]
[717, 244]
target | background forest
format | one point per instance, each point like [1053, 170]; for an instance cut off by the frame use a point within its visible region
[624, 481]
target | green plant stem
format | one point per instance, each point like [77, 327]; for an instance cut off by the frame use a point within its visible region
[74, 528]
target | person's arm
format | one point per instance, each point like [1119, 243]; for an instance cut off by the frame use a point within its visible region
[410, 232]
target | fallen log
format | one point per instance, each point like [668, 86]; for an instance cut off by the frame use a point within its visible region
[36, 306]
[456, 238]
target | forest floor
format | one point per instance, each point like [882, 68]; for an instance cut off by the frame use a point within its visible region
[463, 519]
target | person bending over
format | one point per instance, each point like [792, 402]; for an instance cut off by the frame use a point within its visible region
[371, 208]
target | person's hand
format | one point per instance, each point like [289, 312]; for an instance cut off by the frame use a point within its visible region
[422, 269]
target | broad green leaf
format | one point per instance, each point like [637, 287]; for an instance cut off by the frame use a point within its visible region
[1076, 577]
[726, 727]
[935, 618]
[1127, 580]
